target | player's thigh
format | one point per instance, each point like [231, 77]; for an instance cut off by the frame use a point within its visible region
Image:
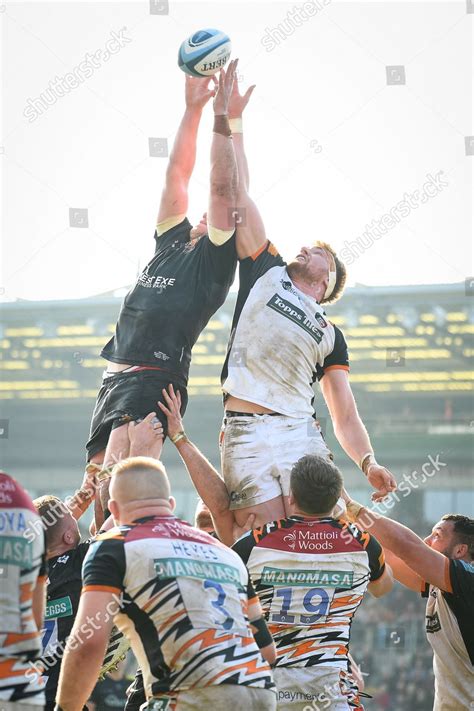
[118, 445]
[98, 458]
[272, 510]
[296, 438]
[247, 462]
[226, 696]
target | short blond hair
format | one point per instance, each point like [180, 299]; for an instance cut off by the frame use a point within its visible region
[149, 480]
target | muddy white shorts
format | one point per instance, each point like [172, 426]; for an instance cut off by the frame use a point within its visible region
[259, 451]
[315, 688]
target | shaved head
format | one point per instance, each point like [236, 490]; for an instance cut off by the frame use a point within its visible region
[139, 479]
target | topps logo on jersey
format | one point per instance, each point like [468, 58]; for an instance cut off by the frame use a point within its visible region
[295, 314]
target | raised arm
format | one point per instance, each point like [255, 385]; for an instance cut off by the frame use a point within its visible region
[350, 430]
[250, 228]
[223, 177]
[208, 483]
[431, 566]
[174, 198]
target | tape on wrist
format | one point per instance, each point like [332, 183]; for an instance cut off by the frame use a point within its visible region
[262, 635]
[366, 460]
[221, 125]
[236, 125]
[353, 509]
[178, 437]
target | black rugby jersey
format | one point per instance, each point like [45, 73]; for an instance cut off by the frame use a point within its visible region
[63, 594]
[179, 290]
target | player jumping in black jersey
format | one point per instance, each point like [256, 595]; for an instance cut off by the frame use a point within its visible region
[182, 286]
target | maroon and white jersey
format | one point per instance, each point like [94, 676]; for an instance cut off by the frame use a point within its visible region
[184, 599]
[22, 564]
[281, 339]
[311, 575]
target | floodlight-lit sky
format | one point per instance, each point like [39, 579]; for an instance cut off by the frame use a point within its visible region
[332, 147]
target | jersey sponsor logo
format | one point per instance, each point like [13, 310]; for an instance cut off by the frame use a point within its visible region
[15, 550]
[181, 567]
[150, 281]
[236, 497]
[311, 540]
[287, 285]
[61, 607]
[63, 559]
[432, 623]
[174, 528]
[160, 355]
[293, 313]
[7, 492]
[12, 521]
[304, 578]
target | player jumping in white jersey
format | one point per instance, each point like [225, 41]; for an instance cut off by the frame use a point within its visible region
[281, 341]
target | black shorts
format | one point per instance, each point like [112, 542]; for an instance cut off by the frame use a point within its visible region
[129, 396]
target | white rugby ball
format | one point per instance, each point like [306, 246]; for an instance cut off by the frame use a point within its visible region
[204, 53]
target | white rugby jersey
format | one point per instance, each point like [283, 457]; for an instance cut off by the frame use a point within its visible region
[450, 631]
[311, 575]
[281, 339]
[184, 598]
[22, 562]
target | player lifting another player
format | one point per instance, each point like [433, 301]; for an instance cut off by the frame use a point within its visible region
[182, 598]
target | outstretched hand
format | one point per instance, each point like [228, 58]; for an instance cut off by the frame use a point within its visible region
[382, 480]
[172, 410]
[239, 531]
[238, 101]
[198, 92]
[224, 88]
[143, 434]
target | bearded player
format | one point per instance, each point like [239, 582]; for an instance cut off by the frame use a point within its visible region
[281, 341]
[183, 285]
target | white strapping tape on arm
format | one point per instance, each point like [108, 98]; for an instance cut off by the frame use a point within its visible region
[217, 236]
[168, 224]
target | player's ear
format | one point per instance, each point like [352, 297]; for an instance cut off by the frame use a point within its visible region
[113, 508]
[172, 501]
[460, 551]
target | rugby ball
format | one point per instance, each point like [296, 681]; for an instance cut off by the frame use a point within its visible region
[204, 53]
